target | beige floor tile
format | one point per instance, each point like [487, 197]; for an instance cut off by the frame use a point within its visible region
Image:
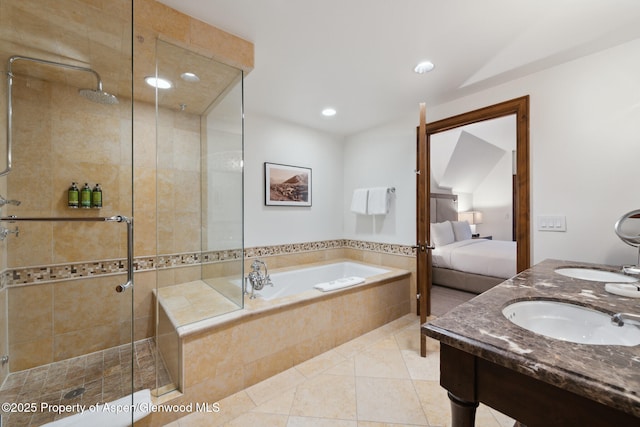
[347, 368]
[389, 400]
[376, 380]
[278, 405]
[200, 419]
[275, 386]
[409, 338]
[485, 418]
[377, 424]
[357, 345]
[386, 343]
[320, 422]
[381, 364]
[230, 408]
[503, 420]
[435, 402]
[326, 396]
[251, 419]
[320, 363]
[234, 405]
[422, 368]
[401, 323]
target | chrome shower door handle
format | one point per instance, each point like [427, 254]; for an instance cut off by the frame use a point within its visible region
[124, 286]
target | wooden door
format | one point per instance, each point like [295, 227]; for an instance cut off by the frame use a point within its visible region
[423, 261]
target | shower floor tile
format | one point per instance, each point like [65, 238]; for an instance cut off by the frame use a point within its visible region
[98, 377]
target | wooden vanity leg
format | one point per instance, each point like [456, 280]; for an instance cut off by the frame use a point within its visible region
[463, 413]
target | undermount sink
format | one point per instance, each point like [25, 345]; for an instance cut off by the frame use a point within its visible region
[570, 322]
[595, 275]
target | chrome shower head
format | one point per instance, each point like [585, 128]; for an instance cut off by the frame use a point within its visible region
[95, 95]
[99, 96]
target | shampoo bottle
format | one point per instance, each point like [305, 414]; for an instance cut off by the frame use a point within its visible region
[72, 196]
[85, 196]
[96, 197]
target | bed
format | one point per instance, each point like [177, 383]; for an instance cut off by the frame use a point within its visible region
[460, 261]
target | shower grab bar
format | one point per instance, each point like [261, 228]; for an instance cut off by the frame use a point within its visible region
[115, 218]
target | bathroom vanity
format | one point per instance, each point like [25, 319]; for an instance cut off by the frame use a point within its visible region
[535, 379]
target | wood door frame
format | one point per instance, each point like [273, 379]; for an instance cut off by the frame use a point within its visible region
[519, 107]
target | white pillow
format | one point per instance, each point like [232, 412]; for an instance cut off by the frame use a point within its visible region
[461, 230]
[442, 233]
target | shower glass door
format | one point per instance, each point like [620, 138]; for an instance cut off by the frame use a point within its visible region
[66, 332]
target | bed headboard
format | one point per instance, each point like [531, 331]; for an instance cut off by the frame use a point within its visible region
[444, 207]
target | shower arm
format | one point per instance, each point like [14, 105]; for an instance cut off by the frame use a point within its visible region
[9, 97]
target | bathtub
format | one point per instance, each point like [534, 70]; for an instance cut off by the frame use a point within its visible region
[289, 323]
[293, 282]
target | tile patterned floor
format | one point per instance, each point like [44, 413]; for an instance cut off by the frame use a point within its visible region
[105, 376]
[375, 380]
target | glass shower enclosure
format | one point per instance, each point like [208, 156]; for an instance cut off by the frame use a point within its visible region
[199, 176]
[93, 296]
[66, 300]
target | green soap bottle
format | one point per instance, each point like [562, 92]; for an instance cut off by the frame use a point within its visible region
[72, 195]
[96, 197]
[85, 196]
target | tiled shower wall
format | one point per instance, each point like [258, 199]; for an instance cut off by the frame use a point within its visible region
[92, 142]
[61, 138]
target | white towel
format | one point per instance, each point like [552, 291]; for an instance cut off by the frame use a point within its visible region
[333, 285]
[378, 203]
[359, 201]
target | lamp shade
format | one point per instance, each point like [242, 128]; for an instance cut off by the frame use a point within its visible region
[472, 217]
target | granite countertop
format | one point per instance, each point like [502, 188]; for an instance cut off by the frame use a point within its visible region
[605, 373]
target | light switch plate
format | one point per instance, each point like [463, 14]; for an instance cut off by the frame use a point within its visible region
[552, 223]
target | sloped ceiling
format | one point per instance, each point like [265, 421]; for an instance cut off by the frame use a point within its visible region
[462, 158]
[471, 161]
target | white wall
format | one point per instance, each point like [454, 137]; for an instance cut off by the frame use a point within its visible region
[270, 140]
[585, 151]
[585, 146]
[382, 157]
[494, 198]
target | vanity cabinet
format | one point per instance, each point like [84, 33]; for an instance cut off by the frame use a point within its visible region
[537, 380]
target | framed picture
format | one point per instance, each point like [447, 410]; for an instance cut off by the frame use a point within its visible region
[286, 185]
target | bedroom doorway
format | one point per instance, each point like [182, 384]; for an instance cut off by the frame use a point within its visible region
[521, 197]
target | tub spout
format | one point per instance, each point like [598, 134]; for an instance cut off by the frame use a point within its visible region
[256, 279]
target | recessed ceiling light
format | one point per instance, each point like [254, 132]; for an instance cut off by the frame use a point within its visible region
[190, 77]
[424, 67]
[158, 82]
[329, 112]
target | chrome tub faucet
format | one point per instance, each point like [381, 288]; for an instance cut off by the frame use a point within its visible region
[619, 318]
[256, 278]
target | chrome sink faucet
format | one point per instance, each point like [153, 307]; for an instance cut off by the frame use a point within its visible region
[256, 279]
[619, 318]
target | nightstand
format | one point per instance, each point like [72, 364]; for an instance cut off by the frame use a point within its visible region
[482, 237]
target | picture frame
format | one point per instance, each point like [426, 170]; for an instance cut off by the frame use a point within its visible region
[286, 185]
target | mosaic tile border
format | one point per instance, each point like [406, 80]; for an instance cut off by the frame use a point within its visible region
[55, 273]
